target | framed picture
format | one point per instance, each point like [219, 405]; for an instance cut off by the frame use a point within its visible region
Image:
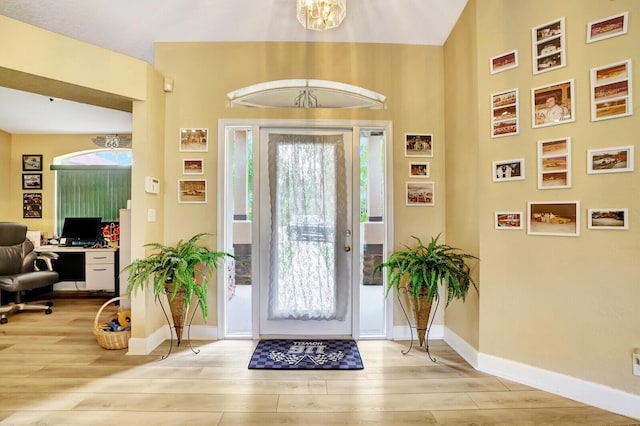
[554, 104]
[418, 145]
[32, 162]
[504, 114]
[194, 140]
[554, 218]
[420, 194]
[554, 163]
[503, 62]
[611, 91]
[32, 181]
[608, 27]
[193, 166]
[32, 205]
[419, 170]
[613, 219]
[192, 190]
[508, 220]
[610, 160]
[548, 46]
[505, 170]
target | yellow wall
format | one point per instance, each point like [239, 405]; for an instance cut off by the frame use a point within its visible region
[203, 73]
[462, 166]
[564, 304]
[5, 174]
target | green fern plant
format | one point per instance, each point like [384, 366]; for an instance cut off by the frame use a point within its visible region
[422, 268]
[181, 265]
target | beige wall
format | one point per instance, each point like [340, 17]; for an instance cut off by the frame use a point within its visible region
[564, 304]
[5, 174]
[462, 167]
[203, 73]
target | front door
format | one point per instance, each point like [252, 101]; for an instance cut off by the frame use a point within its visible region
[305, 233]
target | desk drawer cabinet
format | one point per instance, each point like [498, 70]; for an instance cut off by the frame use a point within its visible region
[100, 270]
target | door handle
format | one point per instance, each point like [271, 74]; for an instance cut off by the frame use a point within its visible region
[347, 248]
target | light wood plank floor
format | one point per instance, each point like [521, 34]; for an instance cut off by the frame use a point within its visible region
[52, 371]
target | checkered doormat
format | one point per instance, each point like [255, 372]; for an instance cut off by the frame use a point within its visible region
[306, 355]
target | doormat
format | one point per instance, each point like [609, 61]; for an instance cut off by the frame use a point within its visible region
[296, 354]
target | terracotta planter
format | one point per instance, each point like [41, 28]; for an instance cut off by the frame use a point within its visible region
[178, 310]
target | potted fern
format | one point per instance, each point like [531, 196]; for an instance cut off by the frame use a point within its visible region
[173, 270]
[419, 271]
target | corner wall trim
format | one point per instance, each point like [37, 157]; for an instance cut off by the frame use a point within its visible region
[590, 393]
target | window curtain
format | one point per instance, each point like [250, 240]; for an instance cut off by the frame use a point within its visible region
[309, 269]
[91, 191]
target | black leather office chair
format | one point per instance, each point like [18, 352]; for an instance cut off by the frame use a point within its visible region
[22, 270]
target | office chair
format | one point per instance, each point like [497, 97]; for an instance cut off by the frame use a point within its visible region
[20, 270]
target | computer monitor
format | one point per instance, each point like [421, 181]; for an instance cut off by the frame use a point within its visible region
[81, 230]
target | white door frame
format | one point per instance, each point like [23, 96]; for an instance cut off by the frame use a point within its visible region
[223, 226]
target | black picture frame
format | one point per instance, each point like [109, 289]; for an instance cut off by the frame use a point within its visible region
[31, 162]
[31, 181]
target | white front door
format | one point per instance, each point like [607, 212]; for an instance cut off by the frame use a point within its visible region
[305, 226]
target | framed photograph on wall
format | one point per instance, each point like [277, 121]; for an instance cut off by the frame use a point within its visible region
[610, 160]
[32, 205]
[508, 220]
[419, 170]
[611, 91]
[420, 194]
[505, 114]
[609, 219]
[418, 145]
[561, 218]
[32, 181]
[192, 190]
[553, 104]
[506, 170]
[554, 163]
[194, 140]
[32, 163]
[193, 166]
[503, 62]
[548, 46]
[608, 27]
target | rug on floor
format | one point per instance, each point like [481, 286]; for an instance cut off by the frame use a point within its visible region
[301, 354]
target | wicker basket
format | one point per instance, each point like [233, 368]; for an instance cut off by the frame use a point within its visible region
[110, 339]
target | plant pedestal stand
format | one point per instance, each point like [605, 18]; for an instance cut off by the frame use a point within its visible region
[405, 291]
[188, 325]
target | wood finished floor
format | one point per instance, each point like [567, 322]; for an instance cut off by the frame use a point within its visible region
[52, 371]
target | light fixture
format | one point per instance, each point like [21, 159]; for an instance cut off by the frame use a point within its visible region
[112, 141]
[306, 99]
[320, 15]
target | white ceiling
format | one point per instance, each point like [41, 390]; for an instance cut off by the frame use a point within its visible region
[132, 27]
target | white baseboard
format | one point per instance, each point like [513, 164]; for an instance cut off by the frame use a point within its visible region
[590, 393]
[144, 346]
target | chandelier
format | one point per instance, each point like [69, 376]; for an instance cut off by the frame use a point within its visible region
[320, 15]
[112, 141]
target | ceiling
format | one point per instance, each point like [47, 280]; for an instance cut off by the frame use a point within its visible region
[132, 28]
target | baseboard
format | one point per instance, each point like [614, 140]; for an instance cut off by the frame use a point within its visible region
[144, 346]
[590, 393]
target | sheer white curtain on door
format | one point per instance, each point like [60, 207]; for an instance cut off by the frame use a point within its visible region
[309, 271]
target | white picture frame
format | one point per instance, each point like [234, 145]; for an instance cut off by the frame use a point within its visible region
[554, 163]
[553, 104]
[420, 194]
[611, 91]
[418, 145]
[192, 166]
[192, 191]
[617, 159]
[420, 170]
[194, 140]
[611, 26]
[503, 62]
[508, 170]
[508, 220]
[611, 219]
[558, 218]
[548, 46]
[505, 113]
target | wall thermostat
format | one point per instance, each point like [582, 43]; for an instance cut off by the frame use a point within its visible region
[151, 185]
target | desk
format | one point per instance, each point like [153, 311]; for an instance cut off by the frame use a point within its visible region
[96, 267]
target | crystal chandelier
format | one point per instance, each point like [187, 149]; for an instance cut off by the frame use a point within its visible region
[320, 15]
[112, 141]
